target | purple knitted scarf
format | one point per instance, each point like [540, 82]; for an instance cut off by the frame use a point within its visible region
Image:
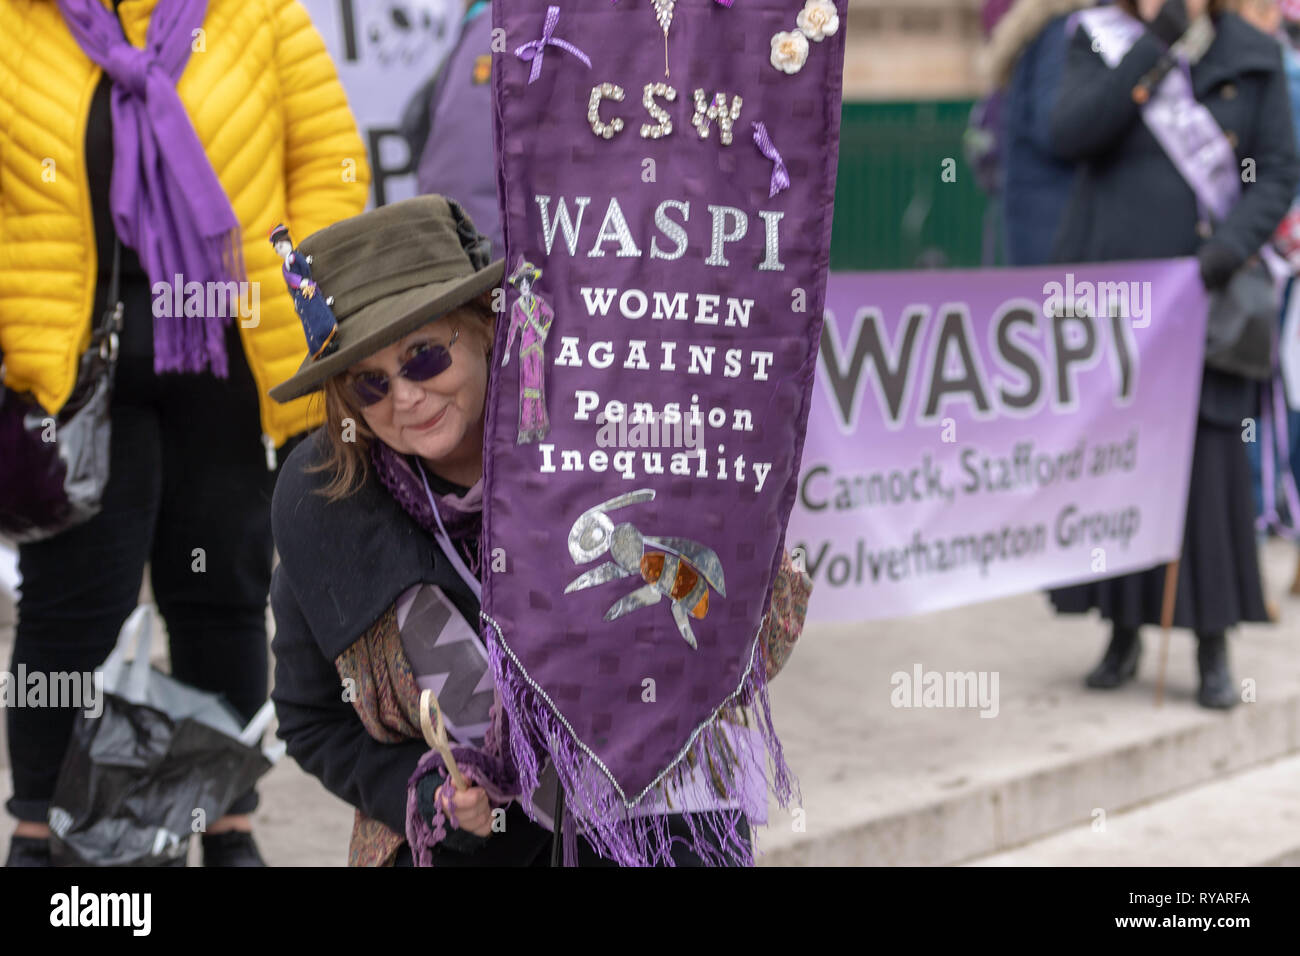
[462, 515]
[167, 202]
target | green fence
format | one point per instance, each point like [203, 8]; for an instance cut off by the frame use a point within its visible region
[893, 209]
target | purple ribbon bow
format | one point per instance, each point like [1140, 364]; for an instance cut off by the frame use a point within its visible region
[536, 49]
[780, 175]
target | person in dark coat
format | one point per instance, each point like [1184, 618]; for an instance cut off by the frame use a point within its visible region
[1027, 58]
[375, 594]
[1131, 202]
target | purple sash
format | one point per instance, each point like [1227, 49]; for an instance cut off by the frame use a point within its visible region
[1184, 128]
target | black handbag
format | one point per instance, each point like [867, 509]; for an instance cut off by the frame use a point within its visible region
[53, 468]
[1239, 332]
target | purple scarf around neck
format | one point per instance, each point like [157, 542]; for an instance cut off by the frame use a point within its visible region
[167, 202]
[462, 515]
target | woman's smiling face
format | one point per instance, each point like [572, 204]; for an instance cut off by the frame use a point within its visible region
[441, 418]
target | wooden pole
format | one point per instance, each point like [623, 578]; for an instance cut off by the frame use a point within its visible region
[436, 737]
[1166, 623]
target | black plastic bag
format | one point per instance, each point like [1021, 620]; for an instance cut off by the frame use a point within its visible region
[160, 762]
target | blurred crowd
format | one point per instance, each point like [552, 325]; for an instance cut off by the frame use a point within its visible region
[1079, 173]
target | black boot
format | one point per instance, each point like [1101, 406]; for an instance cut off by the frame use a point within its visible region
[1218, 691]
[1120, 662]
[29, 851]
[232, 848]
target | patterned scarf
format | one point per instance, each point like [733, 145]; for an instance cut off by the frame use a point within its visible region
[389, 702]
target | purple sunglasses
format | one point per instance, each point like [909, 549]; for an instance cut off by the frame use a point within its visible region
[429, 360]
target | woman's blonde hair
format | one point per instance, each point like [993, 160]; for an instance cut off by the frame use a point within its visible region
[347, 461]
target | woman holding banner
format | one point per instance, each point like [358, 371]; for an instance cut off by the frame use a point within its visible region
[377, 518]
[1140, 194]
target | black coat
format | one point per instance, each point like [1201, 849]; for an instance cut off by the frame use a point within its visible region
[1037, 184]
[342, 565]
[1129, 200]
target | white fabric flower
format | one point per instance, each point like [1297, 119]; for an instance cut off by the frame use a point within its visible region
[818, 20]
[789, 51]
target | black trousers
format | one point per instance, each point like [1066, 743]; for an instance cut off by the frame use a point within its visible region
[189, 493]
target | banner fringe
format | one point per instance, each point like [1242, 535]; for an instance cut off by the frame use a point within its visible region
[595, 803]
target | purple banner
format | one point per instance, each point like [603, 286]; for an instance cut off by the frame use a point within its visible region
[980, 434]
[667, 180]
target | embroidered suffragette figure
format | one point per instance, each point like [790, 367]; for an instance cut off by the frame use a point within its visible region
[531, 318]
[313, 308]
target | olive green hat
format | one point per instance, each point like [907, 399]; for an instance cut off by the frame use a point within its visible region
[386, 273]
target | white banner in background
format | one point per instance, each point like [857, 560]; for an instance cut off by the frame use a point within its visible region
[979, 434]
[384, 50]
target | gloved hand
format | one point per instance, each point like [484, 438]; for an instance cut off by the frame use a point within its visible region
[461, 841]
[1218, 263]
[1170, 22]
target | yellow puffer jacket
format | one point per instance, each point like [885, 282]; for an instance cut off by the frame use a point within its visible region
[267, 105]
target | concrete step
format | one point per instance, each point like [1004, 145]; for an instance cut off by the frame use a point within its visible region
[1248, 819]
[886, 785]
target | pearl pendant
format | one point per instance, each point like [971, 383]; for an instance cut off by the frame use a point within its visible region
[664, 14]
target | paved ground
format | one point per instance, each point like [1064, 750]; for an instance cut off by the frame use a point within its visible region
[1233, 822]
[864, 762]
[945, 785]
